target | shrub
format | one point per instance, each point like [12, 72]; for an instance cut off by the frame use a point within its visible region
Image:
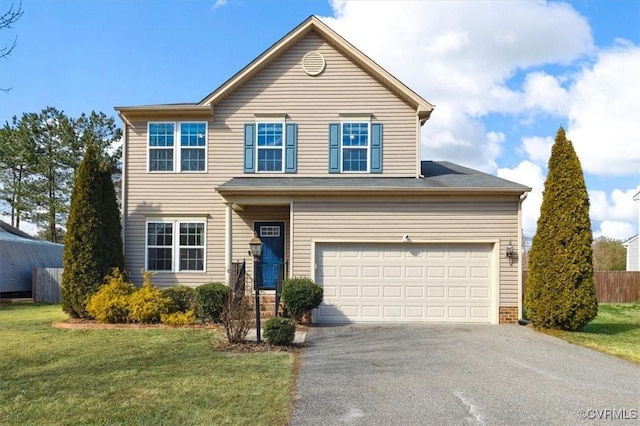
[236, 318]
[210, 301]
[280, 331]
[300, 295]
[111, 303]
[182, 298]
[148, 304]
[560, 290]
[179, 318]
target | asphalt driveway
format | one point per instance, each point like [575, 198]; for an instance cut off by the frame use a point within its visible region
[459, 374]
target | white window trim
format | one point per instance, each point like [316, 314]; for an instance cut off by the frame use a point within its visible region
[175, 247]
[342, 147]
[281, 148]
[177, 147]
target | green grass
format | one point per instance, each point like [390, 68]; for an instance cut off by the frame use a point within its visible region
[615, 331]
[52, 376]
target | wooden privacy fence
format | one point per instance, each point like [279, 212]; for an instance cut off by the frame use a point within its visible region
[611, 286]
[47, 285]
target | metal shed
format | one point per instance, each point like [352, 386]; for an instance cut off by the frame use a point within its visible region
[19, 254]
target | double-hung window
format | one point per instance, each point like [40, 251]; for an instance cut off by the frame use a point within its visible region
[161, 146]
[270, 147]
[175, 245]
[178, 146]
[193, 142]
[355, 147]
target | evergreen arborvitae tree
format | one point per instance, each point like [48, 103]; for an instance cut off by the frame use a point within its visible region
[560, 290]
[93, 234]
[111, 228]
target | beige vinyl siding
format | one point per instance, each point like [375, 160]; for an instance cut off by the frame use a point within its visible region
[170, 196]
[282, 87]
[387, 220]
[313, 103]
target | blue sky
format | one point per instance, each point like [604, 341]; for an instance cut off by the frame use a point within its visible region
[503, 75]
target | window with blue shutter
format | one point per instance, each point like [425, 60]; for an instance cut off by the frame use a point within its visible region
[355, 147]
[270, 147]
[334, 148]
[249, 148]
[291, 148]
[376, 148]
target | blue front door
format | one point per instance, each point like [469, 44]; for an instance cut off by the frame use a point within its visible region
[271, 265]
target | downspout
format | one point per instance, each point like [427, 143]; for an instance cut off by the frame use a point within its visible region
[520, 246]
[418, 147]
[123, 183]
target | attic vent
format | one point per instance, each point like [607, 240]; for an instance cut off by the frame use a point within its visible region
[313, 63]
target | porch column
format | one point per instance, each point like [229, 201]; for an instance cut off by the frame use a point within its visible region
[228, 245]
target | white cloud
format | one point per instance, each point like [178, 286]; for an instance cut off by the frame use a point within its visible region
[603, 113]
[619, 206]
[538, 149]
[219, 4]
[616, 230]
[532, 175]
[461, 56]
[544, 91]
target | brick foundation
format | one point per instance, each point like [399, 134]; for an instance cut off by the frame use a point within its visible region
[508, 314]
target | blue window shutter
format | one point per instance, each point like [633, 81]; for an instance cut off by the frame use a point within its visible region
[249, 148]
[334, 148]
[376, 148]
[291, 149]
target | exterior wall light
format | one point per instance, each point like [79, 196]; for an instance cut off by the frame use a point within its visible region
[510, 251]
[255, 246]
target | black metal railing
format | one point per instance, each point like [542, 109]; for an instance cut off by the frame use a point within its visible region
[238, 277]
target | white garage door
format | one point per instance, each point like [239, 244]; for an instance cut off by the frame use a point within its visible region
[404, 282]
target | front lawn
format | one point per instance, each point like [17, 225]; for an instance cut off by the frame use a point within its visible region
[616, 331]
[134, 376]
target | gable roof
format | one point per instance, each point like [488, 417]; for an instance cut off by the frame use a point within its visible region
[422, 107]
[630, 240]
[440, 177]
[8, 229]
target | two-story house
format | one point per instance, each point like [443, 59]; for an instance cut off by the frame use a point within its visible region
[316, 148]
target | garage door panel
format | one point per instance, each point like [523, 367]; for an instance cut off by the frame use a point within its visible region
[457, 293]
[371, 272]
[404, 282]
[414, 292]
[370, 291]
[458, 272]
[435, 292]
[392, 272]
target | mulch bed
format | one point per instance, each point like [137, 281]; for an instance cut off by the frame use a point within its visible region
[220, 344]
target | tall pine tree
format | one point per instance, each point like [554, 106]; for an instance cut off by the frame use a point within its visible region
[560, 290]
[93, 243]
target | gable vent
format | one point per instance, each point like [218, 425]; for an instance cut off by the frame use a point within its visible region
[313, 63]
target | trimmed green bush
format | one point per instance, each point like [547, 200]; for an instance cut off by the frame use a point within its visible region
[148, 304]
[182, 298]
[560, 289]
[111, 303]
[300, 295]
[280, 331]
[179, 318]
[210, 301]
